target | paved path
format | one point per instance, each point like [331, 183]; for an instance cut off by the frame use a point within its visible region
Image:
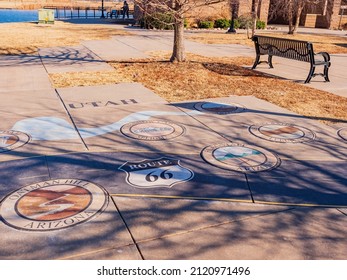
[116, 172]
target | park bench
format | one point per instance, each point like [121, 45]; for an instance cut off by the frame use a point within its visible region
[112, 13]
[291, 49]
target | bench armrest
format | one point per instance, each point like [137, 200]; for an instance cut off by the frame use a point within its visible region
[325, 55]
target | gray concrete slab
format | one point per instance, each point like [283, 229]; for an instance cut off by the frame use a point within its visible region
[38, 133]
[146, 43]
[136, 47]
[185, 215]
[20, 60]
[18, 173]
[235, 106]
[149, 127]
[298, 71]
[299, 234]
[67, 235]
[172, 175]
[30, 100]
[71, 59]
[112, 49]
[254, 122]
[218, 50]
[289, 69]
[165, 40]
[128, 252]
[20, 78]
[93, 97]
[149, 42]
[301, 182]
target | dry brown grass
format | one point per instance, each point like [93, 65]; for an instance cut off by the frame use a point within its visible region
[197, 80]
[330, 44]
[24, 38]
[202, 77]
[75, 79]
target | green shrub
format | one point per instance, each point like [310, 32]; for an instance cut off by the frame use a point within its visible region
[157, 21]
[222, 23]
[206, 24]
[245, 21]
[261, 24]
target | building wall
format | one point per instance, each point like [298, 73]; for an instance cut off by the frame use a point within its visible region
[245, 7]
[331, 19]
[334, 14]
[264, 10]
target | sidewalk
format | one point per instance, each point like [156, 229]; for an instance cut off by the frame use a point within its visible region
[117, 172]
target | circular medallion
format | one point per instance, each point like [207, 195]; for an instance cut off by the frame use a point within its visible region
[53, 205]
[11, 139]
[219, 108]
[241, 158]
[282, 133]
[152, 130]
[342, 133]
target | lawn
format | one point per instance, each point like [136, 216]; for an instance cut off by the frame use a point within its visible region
[197, 78]
[27, 37]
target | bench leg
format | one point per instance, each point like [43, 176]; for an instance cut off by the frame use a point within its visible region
[256, 62]
[269, 61]
[326, 74]
[310, 74]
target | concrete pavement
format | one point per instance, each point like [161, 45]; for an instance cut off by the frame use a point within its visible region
[116, 172]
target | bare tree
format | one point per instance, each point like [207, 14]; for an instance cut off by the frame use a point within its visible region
[255, 5]
[234, 9]
[291, 10]
[253, 8]
[177, 9]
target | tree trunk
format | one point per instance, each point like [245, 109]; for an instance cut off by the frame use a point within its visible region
[291, 17]
[298, 15]
[178, 53]
[254, 16]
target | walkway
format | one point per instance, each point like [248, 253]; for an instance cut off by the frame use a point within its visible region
[116, 172]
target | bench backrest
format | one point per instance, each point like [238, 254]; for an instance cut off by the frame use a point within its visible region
[293, 49]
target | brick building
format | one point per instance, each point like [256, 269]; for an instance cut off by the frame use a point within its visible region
[325, 14]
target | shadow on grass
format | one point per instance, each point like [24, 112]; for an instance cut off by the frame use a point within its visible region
[232, 70]
[342, 45]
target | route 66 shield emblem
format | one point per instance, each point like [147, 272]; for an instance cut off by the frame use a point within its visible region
[155, 173]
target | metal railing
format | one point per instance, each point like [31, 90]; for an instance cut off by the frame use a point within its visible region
[77, 12]
[62, 12]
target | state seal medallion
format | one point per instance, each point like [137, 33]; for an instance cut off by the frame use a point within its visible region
[152, 130]
[219, 108]
[342, 133]
[282, 133]
[11, 140]
[239, 157]
[53, 205]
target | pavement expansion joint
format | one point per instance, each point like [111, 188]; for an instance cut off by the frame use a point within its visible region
[78, 256]
[197, 229]
[128, 228]
[274, 203]
[344, 213]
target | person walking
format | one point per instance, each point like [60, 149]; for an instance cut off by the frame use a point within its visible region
[125, 9]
